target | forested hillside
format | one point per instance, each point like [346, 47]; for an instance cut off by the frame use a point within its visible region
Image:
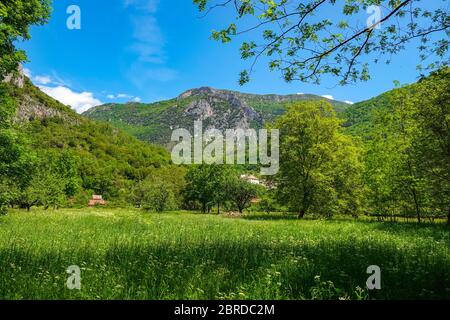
[58, 156]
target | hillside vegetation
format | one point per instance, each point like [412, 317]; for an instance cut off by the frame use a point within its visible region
[102, 159]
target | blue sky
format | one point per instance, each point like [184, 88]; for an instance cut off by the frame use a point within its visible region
[150, 50]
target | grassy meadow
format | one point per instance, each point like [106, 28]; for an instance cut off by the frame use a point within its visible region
[128, 254]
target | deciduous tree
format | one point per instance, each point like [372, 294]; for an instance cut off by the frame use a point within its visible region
[320, 167]
[306, 40]
[241, 192]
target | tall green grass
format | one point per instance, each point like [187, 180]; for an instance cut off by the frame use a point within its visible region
[127, 254]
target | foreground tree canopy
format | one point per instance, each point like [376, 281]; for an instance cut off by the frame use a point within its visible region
[16, 17]
[307, 39]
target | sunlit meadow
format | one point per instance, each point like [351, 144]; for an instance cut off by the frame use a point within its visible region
[128, 254]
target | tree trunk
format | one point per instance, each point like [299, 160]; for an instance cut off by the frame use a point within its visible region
[218, 207]
[301, 214]
[448, 216]
[416, 204]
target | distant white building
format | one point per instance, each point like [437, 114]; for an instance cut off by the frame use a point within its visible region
[250, 178]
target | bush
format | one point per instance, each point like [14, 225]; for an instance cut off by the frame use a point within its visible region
[266, 205]
[81, 199]
[3, 211]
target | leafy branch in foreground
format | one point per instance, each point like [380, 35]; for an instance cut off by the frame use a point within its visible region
[305, 47]
[16, 17]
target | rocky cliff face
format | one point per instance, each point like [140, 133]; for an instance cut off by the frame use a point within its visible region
[16, 79]
[32, 103]
[30, 109]
[221, 109]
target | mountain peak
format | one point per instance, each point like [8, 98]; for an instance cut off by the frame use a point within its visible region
[197, 91]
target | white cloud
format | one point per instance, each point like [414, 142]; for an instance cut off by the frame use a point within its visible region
[124, 96]
[79, 101]
[58, 89]
[328, 96]
[349, 102]
[300, 93]
[149, 40]
[27, 72]
[54, 79]
[140, 76]
[43, 80]
[148, 45]
[58, 81]
[40, 79]
[149, 6]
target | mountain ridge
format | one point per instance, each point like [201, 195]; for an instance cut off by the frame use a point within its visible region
[217, 108]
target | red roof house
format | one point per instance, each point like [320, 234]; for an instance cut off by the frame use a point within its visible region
[96, 200]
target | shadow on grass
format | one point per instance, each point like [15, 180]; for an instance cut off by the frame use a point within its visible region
[436, 231]
[276, 216]
[256, 269]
